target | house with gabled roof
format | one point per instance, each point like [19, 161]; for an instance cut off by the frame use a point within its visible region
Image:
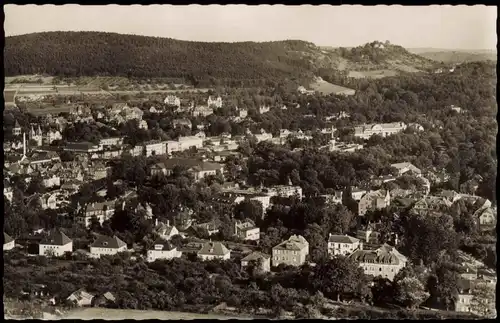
[292, 252]
[55, 244]
[406, 168]
[374, 200]
[163, 250]
[246, 230]
[214, 250]
[343, 244]
[105, 245]
[165, 230]
[385, 261]
[81, 298]
[8, 242]
[260, 258]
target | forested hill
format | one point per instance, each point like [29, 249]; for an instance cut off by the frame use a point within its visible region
[97, 53]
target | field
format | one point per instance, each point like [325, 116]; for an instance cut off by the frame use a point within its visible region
[327, 88]
[376, 74]
[118, 314]
[9, 96]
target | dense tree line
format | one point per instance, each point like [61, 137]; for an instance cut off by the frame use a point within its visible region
[108, 54]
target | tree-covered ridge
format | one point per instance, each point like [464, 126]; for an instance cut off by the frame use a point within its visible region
[110, 54]
[97, 53]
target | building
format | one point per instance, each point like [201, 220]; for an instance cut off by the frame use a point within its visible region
[110, 142]
[343, 245]
[357, 193]
[8, 242]
[217, 102]
[369, 234]
[382, 129]
[163, 250]
[184, 143]
[173, 101]
[105, 245]
[201, 110]
[465, 299]
[166, 231]
[198, 168]
[291, 252]
[374, 200]
[182, 123]
[82, 147]
[246, 230]
[36, 136]
[405, 168]
[155, 148]
[101, 210]
[52, 135]
[385, 261]
[104, 300]
[214, 250]
[8, 192]
[264, 109]
[16, 131]
[55, 244]
[81, 298]
[260, 258]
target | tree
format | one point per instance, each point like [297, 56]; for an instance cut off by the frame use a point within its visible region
[409, 291]
[338, 277]
[382, 291]
[482, 301]
[317, 242]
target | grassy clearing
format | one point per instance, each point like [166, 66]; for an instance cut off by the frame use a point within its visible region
[376, 74]
[119, 314]
[9, 96]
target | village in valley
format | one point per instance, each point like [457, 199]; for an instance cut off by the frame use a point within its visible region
[273, 198]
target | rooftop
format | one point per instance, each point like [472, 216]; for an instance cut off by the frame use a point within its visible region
[56, 238]
[103, 241]
[213, 248]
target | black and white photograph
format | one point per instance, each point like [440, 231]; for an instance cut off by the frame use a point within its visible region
[278, 162]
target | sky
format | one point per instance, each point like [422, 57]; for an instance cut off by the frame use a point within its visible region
[437, 26]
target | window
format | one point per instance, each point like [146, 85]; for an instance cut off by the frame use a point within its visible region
[380, 269]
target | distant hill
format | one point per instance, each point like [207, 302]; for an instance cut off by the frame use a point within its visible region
[455, 56]
[109, 54]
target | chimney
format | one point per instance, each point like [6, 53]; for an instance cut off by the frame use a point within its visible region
[156, 222]
[168, 223]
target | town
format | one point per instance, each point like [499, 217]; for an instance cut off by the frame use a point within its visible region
[264, 197]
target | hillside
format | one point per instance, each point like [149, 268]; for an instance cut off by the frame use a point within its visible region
[378, 56]
[455, 56]
[108, 54]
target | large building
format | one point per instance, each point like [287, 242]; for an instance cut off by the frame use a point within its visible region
[374, 200]
[214, 250]
[385, 261]
[406, 167]
[155, 148]
[258, 257]
[105, 245]
[291, 252]
[184, 143]
[343, 245]
[246, 230]
[198, 168]
[163, 250]
[55, 244]
[382, 129]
